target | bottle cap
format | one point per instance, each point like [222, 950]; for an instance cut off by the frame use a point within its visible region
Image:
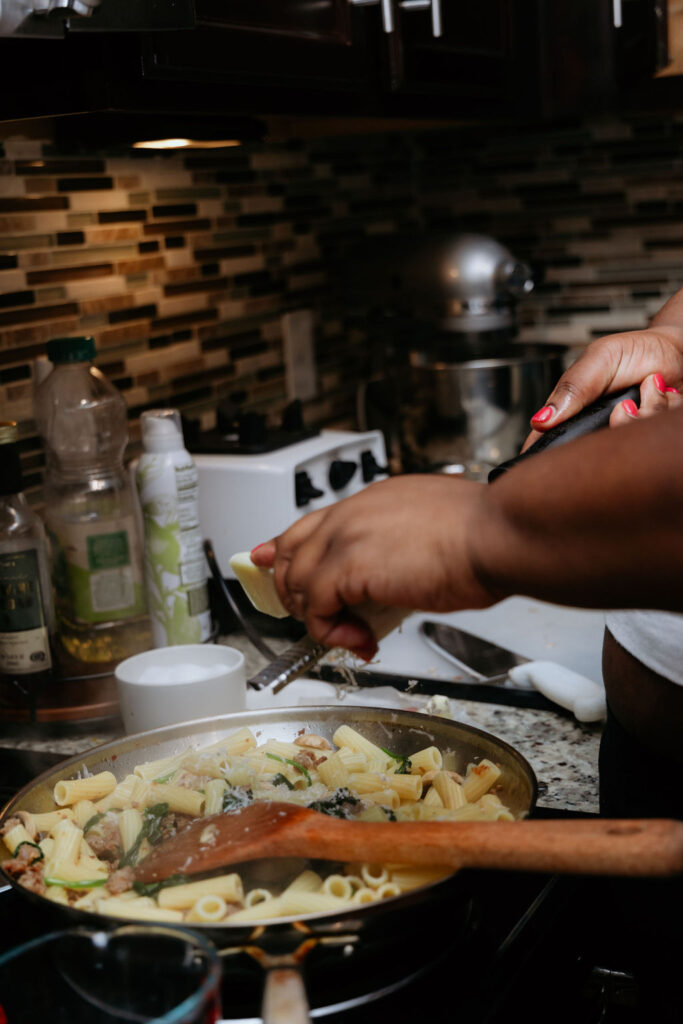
[10, 464]
[8, 431]
[162, 430]
[71, 350]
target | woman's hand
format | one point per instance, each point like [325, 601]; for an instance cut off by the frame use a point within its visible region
[655, 396]
[407, 542]
[652, 358]
[592, 524]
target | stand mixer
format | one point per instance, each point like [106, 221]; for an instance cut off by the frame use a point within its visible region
[462, 387]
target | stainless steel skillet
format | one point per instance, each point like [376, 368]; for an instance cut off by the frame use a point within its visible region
[364, 926]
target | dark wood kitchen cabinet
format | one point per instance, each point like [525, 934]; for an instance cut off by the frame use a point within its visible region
[333, 55]
[495, 59]
[480, 62]
[277, 52]
[595, 55]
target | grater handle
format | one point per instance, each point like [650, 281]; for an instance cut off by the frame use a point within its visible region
[289, 665]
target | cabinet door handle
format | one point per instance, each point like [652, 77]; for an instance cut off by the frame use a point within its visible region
[423, 5]
[84, 8]
[408, 5]
[387, 11]
[617, 19]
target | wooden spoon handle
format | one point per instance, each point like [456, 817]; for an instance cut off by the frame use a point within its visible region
[581, 846]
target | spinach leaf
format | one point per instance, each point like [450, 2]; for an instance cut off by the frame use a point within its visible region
[26, 842]
[91, 822]
[339, 805]
[152, 888]
[294, 764]
[405, 765]
[279, 779]
[153, 819]
[151, 830]
[235, 799]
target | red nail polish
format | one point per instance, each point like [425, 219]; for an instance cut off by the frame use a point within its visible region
[543, 415]
[660, 383]
[672, 391]
[630, 407]
[257, 547]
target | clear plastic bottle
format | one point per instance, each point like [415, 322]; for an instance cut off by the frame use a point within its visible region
[26, 617]
[89, 510]
[175, 566]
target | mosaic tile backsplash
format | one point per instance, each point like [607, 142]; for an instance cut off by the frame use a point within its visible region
[182, 266]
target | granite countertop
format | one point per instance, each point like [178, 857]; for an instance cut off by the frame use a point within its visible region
[562, 751]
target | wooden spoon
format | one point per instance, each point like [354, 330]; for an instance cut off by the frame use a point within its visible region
[269, 829]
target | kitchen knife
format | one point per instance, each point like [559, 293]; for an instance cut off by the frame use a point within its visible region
[468, 689]
[477, 658]
[494, 665]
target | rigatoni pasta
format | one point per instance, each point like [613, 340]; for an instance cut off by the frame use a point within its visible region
[83, 852]
[68, 791]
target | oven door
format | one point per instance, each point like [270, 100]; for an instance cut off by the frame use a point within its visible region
[55, 18]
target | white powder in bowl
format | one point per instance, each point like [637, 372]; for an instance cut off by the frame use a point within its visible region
[181, 673]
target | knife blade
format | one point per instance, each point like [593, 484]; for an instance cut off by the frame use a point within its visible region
[565, 687]
[479, 659]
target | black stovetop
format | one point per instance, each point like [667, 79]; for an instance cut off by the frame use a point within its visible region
[547, 947]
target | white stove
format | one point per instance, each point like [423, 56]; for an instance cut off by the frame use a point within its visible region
[246, 499]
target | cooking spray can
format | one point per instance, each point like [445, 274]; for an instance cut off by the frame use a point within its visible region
[175, 566]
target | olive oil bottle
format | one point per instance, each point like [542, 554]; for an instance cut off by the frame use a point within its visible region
[26, 618]
[89, 512]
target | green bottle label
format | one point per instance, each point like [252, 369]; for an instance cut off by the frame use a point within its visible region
[24, 641]
[98, 571]
[108, 550]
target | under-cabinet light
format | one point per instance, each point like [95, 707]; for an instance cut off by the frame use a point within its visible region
[186, 143]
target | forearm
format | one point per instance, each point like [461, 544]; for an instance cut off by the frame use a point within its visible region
[598, 523]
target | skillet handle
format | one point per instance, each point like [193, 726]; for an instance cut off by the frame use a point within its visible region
[284, 997]
[593, 417]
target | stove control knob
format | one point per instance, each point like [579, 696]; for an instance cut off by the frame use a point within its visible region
[304, 489]
[293, 417]
[252, 430]
[370, 467]
[340, 473]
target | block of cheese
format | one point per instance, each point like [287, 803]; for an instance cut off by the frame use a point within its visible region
[259, 586]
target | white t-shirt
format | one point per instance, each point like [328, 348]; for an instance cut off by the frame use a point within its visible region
[654, 638]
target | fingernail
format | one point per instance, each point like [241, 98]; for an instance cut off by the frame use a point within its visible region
[257, 547]
[543, 415]
[630, 407]
[660, 383]
[672, 391]
[367, 653]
